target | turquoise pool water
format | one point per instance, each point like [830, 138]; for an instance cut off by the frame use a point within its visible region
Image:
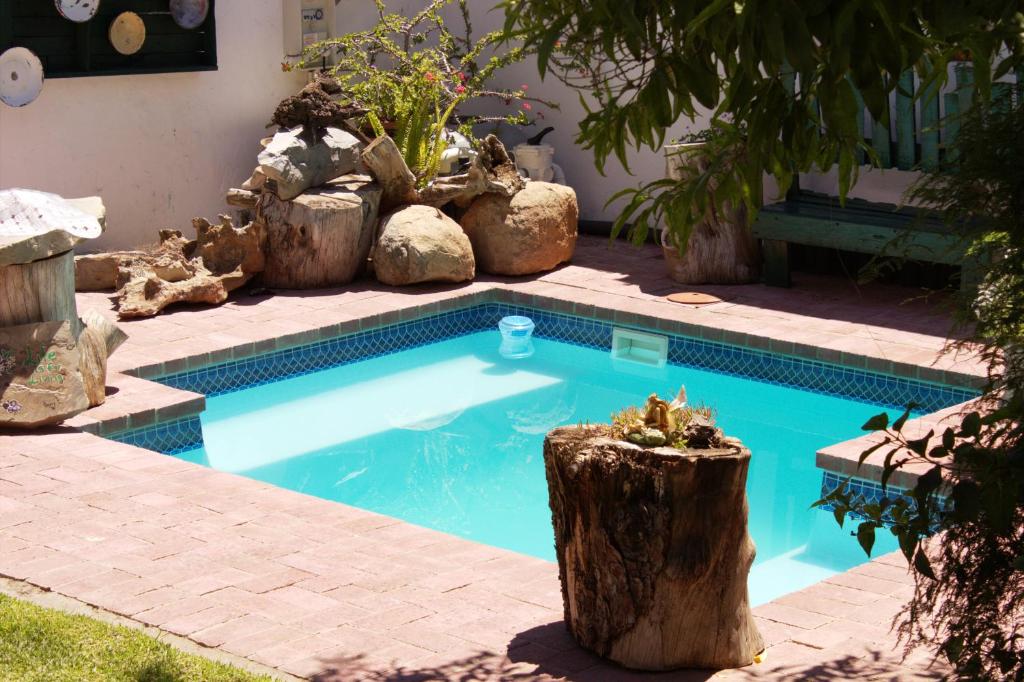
[449, 436]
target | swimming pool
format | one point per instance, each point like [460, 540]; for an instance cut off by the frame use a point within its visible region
[428, 423]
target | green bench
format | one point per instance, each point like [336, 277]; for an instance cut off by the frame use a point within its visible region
[815, 219]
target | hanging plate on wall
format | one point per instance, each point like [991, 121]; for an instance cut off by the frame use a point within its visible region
[78, 11]
[21, 76]
[127, 33]
[189, 13]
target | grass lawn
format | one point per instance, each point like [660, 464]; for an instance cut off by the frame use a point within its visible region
[42, 644]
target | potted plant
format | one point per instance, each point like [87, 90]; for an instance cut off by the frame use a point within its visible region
[720, 248]
[650, 519]
[704, 241]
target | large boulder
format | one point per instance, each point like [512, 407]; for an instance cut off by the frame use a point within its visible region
[293, 163]
[534, 231]
[421, 244]
[321, 238]
[40, 382]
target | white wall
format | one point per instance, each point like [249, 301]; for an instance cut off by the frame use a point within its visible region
[159, 148]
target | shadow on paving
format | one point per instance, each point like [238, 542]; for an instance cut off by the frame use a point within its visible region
[547, 652]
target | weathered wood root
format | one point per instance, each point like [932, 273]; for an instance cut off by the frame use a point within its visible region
[653, 550]
[205, 270]
[491, 171]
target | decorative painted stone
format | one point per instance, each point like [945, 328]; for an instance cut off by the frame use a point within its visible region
[189, 14]
[36, 225]
[21, 77]
[40, 383]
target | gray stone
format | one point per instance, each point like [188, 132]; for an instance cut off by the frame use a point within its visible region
[294, 164]
[40, 383]
[421, 244]
[36, 225]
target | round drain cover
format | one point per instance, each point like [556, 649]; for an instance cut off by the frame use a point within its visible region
[693, 298]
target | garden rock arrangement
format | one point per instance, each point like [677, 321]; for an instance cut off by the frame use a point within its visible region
[421, 244]
[532, 231]
[324, 202]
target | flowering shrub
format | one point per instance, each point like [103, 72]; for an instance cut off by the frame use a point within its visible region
[412, 73]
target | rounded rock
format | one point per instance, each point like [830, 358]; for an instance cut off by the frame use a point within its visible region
[421, 244]
[533, 232]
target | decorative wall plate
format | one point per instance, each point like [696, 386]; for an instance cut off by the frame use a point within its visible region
[127, 33]
[189, 13]
[78, 11]
[21, 76]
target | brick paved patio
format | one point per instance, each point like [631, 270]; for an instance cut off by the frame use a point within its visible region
[319, 589]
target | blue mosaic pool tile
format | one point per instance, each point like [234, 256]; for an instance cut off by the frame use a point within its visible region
[893, 392]
[872, 493]
[170, 438]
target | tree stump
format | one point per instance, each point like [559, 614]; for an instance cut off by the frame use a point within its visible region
[721, 249]
[321, 238]
[40, 291]
[653, 550]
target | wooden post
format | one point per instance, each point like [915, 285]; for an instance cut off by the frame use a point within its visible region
[653, 550]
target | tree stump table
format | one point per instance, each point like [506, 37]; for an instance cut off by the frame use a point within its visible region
[53, 365]
[653, 550]
[321, 238]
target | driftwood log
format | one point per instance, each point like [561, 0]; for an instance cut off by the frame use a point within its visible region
[653, 550]
[490, 171]
[204, 270]
[385, 163]
[322, 237]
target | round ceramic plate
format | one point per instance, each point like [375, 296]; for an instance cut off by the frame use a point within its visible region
[77, 11]
[21, 76]
[189, 13]
[127, 33]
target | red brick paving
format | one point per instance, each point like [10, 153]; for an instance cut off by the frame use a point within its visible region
[319, 589]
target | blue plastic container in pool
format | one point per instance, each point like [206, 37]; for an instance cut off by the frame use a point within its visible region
[516, 332]
[449, 436]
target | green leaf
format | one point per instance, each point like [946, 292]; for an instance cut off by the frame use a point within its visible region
[866, 536]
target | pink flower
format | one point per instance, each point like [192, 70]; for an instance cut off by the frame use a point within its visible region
[462, 77]
[524, 87]
[526, 105]
[460, 89]
[429, 76]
